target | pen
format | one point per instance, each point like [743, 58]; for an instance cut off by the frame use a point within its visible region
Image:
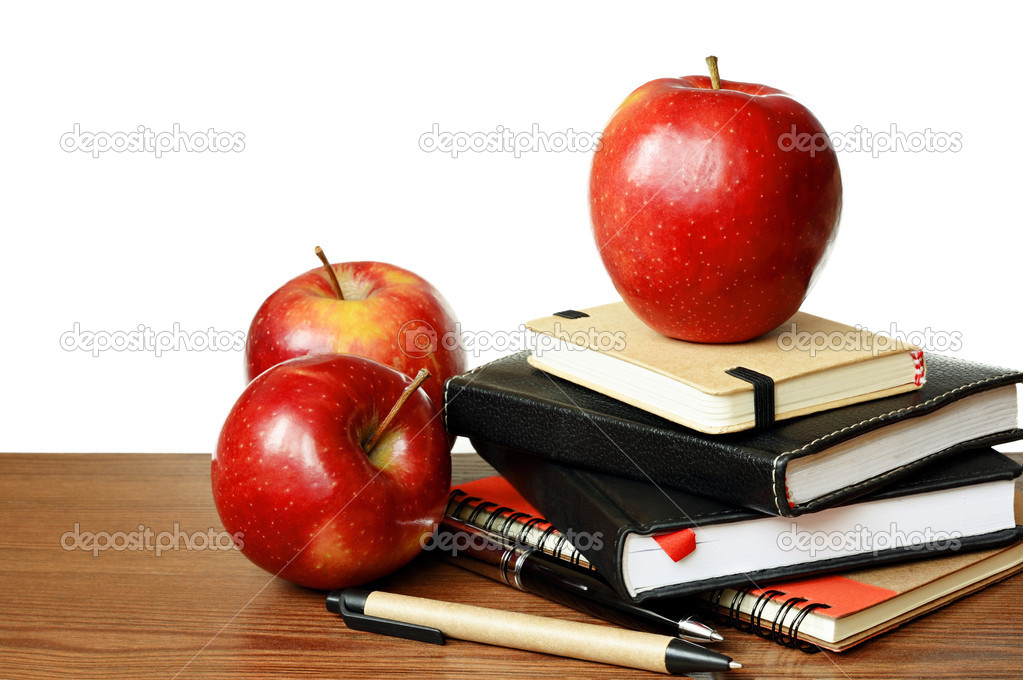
[426, 620]
[534, 571]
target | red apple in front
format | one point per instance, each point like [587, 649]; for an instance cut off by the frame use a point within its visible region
[315, 501]
[369, 309]
[713, 208]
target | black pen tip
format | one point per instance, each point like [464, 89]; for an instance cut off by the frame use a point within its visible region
[681, 658]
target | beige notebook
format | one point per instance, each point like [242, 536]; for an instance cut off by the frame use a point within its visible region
[815, 364]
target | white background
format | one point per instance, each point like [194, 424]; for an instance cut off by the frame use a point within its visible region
[332, 103]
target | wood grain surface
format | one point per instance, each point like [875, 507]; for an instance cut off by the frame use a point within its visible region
[128, 612]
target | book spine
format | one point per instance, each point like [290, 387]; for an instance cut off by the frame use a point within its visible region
[512, 527]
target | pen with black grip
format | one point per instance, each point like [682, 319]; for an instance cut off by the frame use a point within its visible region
[534, 571]
[426, 620]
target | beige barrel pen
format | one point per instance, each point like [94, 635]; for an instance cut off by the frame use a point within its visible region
[430, 620]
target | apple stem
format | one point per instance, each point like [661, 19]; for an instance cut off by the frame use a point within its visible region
[715, 77]
[419, 380]
[330, 274]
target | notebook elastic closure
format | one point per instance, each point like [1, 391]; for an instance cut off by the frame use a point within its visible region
[763, 394]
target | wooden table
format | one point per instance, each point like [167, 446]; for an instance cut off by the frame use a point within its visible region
[130, 613]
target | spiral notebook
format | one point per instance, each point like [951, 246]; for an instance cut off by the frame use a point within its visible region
[838, 612]
[492, 505]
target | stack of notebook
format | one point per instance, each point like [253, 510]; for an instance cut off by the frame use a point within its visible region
[732, 472]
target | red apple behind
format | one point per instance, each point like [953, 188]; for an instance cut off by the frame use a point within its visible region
[317, 503]
[377, 310]
[713, 208]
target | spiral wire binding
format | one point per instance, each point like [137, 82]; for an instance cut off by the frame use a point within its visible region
[778, 625]
[802, 645]
[525, 523]
[775, 629]
[733, 612]
[757, 613]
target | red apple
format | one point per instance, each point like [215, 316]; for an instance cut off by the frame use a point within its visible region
[317, 502]
[713, 208]
[370, 309]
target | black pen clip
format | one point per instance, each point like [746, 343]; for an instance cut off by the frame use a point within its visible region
[351, 603]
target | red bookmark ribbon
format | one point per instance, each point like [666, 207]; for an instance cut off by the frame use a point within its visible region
[677, 544]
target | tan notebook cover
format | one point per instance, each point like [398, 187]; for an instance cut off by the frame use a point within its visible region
[803, 345]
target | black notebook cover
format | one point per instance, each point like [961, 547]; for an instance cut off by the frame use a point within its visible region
[508, 402]
[580, 501]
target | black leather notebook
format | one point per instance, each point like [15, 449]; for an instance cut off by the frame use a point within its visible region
[795, 466]
[652, 542]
